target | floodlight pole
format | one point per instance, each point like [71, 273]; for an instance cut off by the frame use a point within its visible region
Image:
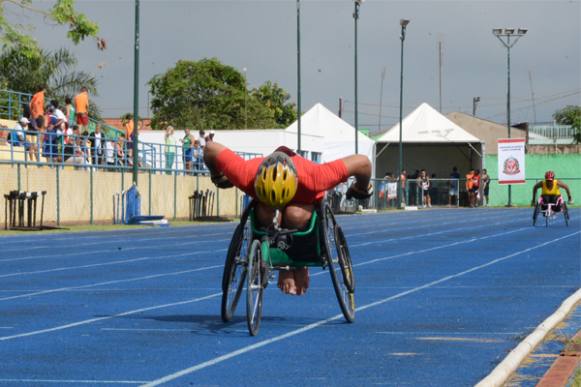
[356, 18]
[135, 133]
[501, 34]
[403, 23]
[299, 77]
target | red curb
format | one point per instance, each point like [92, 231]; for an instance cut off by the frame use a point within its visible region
[562, 369]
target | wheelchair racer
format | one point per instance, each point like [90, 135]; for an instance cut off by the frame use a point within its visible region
[550, 192]
[286, 181]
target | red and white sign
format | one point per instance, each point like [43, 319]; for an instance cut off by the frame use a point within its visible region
[511, 161]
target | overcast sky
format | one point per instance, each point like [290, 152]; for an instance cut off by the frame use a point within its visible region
[261, 37]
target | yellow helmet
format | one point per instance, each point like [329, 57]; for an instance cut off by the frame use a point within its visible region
[276, 181]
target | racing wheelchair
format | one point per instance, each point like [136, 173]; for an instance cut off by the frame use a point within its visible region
[255, 254]
[550, 210]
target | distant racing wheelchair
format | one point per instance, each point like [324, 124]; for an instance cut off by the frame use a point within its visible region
[254, 254]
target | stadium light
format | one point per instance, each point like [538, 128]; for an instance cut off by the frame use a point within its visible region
[403, 23]
[357, 4]
[504, 36]
[299, 77]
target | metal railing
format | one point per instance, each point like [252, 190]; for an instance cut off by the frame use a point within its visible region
[55, 148]
[553, 133]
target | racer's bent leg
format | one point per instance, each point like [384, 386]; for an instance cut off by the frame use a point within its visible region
[294, 216]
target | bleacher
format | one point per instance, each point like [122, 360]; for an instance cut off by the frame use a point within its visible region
[7, 151]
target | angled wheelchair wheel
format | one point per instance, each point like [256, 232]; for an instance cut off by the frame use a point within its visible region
[337, 253]
[254, 288]
[234, 276]
[566, 214]
[536, 212]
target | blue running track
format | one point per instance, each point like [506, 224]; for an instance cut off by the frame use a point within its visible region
[442, 296]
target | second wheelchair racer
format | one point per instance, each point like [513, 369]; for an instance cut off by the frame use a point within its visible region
[286, 181]
[550, 192]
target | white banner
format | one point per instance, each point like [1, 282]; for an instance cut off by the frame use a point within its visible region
[511, 161]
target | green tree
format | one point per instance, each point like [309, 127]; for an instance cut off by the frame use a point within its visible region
[206, 94]
[276, 99]
[62, 12]
[570, 115]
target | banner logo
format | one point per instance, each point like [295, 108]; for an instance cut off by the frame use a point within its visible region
[511, 166]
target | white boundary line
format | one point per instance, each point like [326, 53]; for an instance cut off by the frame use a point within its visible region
[62, 381]
[314, 325]
[511, 362]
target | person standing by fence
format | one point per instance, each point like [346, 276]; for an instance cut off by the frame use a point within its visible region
[37, 107]
[170, 149]
[454, 186]
[82, 109]
[187, 142]
[484, 186]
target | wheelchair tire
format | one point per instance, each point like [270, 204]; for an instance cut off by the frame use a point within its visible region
[566, 214]
[337, 253]
[234, 275]
[536, 212]
[254, 288]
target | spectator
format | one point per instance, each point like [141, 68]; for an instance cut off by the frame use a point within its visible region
[50, 140]
[97, 145]
[70, 112]
[476, 187]
[187, 142]
[69, 141]
[37, 106]
[485, 186]
[453, 186]
[170, 149]
[119, 151]
[79, 157]
[128, 129]
[109, 149]
[82, 109]
[17, 136]
[197, 156]
[403, 180]
[424, 184]
[472, 184]
[63, 121]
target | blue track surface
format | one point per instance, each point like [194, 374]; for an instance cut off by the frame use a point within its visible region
[442, 296]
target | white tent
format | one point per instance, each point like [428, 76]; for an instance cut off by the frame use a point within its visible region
[336, 137]
[431, 141]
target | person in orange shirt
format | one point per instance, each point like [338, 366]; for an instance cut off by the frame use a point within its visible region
[37, 106]
[470, 188]
[82, 109]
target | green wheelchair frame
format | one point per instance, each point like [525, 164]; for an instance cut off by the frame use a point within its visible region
[254, 254]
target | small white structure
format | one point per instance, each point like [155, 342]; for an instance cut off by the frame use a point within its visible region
[431, 141]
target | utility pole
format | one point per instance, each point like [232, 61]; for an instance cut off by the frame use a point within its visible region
[440, 74]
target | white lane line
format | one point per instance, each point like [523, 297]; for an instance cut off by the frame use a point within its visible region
[112, 249]
[113, 240]
[145, 330]
[147, 277]
[263, 343]
[97, 319]
[439, 247]
[71, 381]
[110, 263]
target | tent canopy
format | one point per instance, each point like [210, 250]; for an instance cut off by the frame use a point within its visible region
[426, 125]
[337, 136]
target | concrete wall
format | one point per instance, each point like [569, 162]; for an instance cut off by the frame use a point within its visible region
[566, 167]
[160, 194]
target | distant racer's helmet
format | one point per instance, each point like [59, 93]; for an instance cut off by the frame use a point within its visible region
[276, 181]
[550, 175]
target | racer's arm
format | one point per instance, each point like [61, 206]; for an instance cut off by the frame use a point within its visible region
[535, 189]
[359, 167]
[566, 188]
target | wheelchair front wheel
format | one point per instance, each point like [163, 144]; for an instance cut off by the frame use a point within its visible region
[234, 275]
[254, 288]
[338, 254]
[536, 212]
[566, 214]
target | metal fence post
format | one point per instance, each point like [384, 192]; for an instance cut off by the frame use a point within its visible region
[91, 194]
[175, 193]
[18, 177]
[149, 194]
[217, 202]
[58, 197]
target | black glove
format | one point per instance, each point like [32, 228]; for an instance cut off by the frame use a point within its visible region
[221, 181]
[354, 192]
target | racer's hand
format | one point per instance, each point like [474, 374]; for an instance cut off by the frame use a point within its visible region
[357, 193]
[221, 181]
[570, 201]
